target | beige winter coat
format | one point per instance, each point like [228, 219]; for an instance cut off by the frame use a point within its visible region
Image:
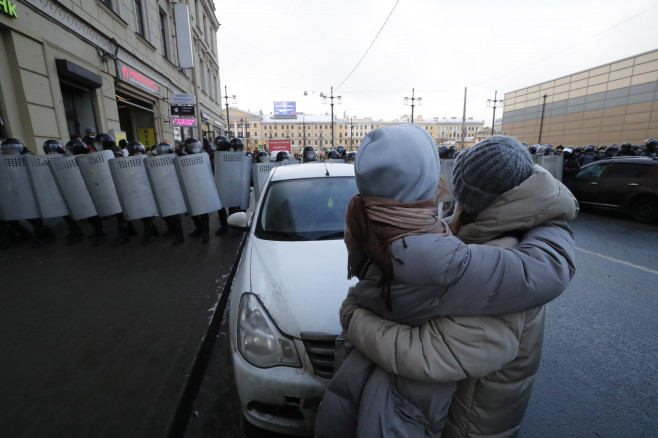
[491, 406]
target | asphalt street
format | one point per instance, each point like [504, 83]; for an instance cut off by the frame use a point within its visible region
[106, 341]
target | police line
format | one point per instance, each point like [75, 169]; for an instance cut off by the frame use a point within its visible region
[98, 184]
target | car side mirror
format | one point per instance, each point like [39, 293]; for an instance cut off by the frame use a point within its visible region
[239, 220]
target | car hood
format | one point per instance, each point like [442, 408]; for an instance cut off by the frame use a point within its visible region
[301, 284]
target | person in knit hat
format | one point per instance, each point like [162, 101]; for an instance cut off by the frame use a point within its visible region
[500, 195]
[411, 272]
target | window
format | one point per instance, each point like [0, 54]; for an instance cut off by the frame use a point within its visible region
[202, 74]
[139, 18]
[108, 3]
[628, 170]
[164, 39]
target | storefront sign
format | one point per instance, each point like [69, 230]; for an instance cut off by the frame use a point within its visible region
[204, 115]
[183, 110]
[8, 8]
[131, 75]
[146, 136]
[182, 121]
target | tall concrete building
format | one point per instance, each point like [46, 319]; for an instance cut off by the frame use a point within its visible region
[612, 103]
[114, 65]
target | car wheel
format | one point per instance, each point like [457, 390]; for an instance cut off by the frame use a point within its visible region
[645, 209]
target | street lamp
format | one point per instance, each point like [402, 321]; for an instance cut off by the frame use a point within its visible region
[339, 100]
[351, 135]
[413, 98]
[495, 101]
[234, 101]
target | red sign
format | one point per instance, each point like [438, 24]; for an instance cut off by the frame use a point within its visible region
[276, 145]
[131, 75]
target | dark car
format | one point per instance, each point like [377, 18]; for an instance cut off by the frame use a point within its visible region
[626, 183]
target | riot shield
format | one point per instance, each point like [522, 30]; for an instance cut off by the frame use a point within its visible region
[446, 173]
[72, 187]
[49, 199]
[260, 172]
[133, 187]
[17, 199]
[198, 184]
[232, 176]
[164, 184]
[95, 171]
[552, 163]
[336, 160]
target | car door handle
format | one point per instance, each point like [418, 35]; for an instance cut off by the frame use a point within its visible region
[593, 183]
[633, 184]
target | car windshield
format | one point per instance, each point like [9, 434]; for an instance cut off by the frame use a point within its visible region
[305, 209]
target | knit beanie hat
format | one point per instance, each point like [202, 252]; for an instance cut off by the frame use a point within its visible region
[490, 168]
[398, 162]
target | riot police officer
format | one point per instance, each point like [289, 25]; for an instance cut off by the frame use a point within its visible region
[331, 155]
[202, 221]
[626, 150]
[309, 154]
[236, 145]
[341, 151]
[611, 151]
[443, 152]
[223, 144]
[135, 148]
[54, 147]
[173, 222]
[282, 156]
[589, 155]
[13, 228]
[570, 166]
[77, 147]
[650, 148]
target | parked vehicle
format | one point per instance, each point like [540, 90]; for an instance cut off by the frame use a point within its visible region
[286, 295]
[626, 183]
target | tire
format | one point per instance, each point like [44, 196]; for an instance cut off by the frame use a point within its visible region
[645, 209]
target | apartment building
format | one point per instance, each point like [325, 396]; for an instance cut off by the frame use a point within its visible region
[114, 65]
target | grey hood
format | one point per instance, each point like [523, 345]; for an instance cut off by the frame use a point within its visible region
[398, 162]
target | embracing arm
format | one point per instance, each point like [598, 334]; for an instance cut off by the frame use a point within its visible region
[443, 349]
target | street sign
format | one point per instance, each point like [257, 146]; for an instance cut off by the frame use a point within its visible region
[181, 99]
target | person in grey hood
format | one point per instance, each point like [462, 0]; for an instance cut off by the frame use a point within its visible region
[411, 270]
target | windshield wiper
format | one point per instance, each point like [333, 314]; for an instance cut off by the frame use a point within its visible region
[333, 235]
[285, 235]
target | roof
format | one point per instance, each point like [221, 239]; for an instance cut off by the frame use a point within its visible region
[312, 170]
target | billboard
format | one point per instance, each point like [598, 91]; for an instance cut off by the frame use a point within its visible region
[285, 110]
[278, 144]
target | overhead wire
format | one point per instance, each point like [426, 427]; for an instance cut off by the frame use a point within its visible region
[368, 49]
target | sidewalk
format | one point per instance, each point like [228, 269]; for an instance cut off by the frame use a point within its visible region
[101, 341]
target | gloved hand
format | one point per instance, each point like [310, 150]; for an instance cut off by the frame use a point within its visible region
[347, 310]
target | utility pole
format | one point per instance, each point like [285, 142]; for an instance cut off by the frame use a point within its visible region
[233, 98]
[351, 135]
[494, 101]
[464, 119]
[339, 100]
[413, 98]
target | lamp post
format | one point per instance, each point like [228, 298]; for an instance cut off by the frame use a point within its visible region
[412, 99]
[304, 132]
[339, 100]
[495, 101]
[234, 101]
[351, 135]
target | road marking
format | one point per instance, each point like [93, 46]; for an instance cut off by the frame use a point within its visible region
[653, 271]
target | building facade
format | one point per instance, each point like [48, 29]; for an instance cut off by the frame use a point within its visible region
[112, 65]
[315, 130]
[613, 103]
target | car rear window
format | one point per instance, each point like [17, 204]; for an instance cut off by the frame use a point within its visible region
[305, 209]
[628, 170]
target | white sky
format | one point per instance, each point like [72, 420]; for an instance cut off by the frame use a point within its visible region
[274, 50]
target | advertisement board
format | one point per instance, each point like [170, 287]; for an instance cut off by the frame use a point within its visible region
[285, 109]
[276, 145]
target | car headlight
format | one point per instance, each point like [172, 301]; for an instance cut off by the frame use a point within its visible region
[259, 340]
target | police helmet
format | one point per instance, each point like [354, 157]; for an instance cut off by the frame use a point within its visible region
[263, 157]
[135, 147]
[104, 142]
[309, 153]
[164, 148]
[236, 144]
[588, 148]
[52, 147]
[651, 143]
[222, 143]
[443, 152]
[79, 148]
[612, 150]
[533, 149]
[567, 150]
[341, 151]
[193, 146]
[541, 150]
[333, 155]
[12, 146]
[351, 156]
[282, 156]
